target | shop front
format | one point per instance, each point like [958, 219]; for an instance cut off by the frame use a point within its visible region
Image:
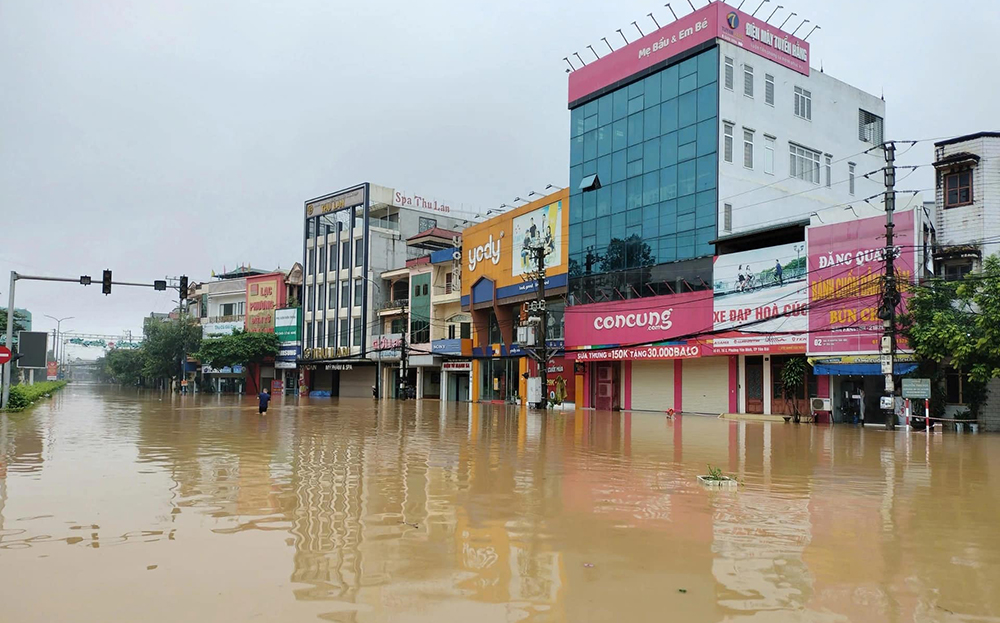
[456, 381]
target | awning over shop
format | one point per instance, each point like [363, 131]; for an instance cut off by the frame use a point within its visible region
[859, 369]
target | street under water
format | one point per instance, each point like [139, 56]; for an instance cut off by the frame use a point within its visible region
[125, 506]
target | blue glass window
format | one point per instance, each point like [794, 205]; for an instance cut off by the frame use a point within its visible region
[589, 168]
[603, 141]
[617, 166]
[633, 189]
[651, 122]
[686, 222]
[688, 83]
[650, 188]
[650, 229]
[619, 136]
[668, 149]
[635, 129]
[686, 176]
[707, 170]
[687, 110]
[708, 67]
[589, 206]
[636, 104]
[634, 217]
[589, 228]
[576, 122]
[708, 137]
[604, 169]
[668, 83]
[668, 248]
[685, 245]
[668, 116]
[604, 111]
[575, 237]
[686, 204]
[603, 231]
[575, 176]
[708, 101]
[618, 197]
[590, 123]
[687, 67]
[575, 209]
[576, 150]
[668, 183]
[603, 201]
[652, 89]
[619, 108]
[651, 155]
[705, 235]
[635, 168]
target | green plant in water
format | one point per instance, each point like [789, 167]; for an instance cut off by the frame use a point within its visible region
[715, 473]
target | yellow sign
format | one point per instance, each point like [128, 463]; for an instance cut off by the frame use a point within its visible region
[262, 300]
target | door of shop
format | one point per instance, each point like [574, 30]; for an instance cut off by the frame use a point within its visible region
[754, 385]
[606, 391]
[781, 404]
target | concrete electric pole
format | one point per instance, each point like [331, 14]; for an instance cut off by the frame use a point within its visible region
[890, 291]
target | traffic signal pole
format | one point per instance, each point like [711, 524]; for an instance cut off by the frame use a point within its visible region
[82, 280]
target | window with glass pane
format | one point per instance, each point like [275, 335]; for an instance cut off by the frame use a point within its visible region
[748, 148]
[850, 177]
[309, 299]
[345, 332]
[320, 297]
[359, 251]
[748, 80]
[333, 297]
[769, 155]
[309, 335]
[727, 146]
[345, 294]
[730, 73]
[311, 261]
[958, 189]
[769, 89]
[322, 258]
[320, 334]
[333, 258]
[331, 333]
[803, 103]
[829, 169]
[803, 163]
[357, 332]
[345, 254]
[357, 292]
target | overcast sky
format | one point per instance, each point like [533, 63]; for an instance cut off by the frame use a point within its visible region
[167, 137]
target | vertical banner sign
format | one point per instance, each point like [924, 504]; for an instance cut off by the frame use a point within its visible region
[52, 371]
[262, 300]
[846, 265]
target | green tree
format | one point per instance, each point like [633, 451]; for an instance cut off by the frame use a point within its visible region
[122, 365]
[167, 344]
[239, 349]
[793, 380]
[958, 323]
[20, 324]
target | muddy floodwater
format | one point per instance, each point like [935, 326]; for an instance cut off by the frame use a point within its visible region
[125, 506]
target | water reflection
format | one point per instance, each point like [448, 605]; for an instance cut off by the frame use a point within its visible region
[430, 511]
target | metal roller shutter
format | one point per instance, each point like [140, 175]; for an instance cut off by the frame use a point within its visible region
[652, 385]
[705, 384]
[357, 383]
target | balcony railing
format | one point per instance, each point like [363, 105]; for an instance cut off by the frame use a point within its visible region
[394, 304]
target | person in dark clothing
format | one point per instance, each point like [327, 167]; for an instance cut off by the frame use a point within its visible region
[264, 398]
[778, 273]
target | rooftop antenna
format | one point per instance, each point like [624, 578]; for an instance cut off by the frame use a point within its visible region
[641, 34]
[815, 28]
[672, 10]
[793, 14]
[773, 12]
[577, 55]
[605, 40]
[591, 48]
[758, 8]
[571, 68]
[804, 22]
[619, 31]
[654, 20]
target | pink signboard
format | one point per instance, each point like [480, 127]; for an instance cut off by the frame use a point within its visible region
[639, 322]
[717, 20]
[846, 262]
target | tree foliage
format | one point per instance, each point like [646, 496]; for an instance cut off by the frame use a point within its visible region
[958, 323]
[167, 344]
[123, 365]
[632, 252]
[242, 348]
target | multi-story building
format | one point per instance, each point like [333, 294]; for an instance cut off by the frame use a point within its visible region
[708, 138]
[424, 309]
[497, 262]
[351, 237]
[967, 215]
[245, 298]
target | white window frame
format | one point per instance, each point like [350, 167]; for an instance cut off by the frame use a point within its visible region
[748, 147]
[748, 80]
[850, 176]
[804, 163]
[727, 217]
[828, 164]
[769, 89]
[803, 103]
[729, 73]
[727, 141]
[769, 142]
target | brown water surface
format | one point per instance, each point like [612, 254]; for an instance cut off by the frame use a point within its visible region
[121, 506]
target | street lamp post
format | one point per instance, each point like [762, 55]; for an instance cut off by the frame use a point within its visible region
[55, 346]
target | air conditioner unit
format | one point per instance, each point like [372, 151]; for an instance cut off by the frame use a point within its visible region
[821, 404]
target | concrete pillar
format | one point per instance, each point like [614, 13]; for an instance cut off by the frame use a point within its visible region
[444, 385]
[420, 382]
[767, 385]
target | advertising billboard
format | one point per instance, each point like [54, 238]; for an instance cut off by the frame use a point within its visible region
[716, 20]
[32, 346]
[639, 322]
[541, 226]
[846, 265]
[217, 329]
[286, 324]
[264, 296]
[387, 347]
[763, 294]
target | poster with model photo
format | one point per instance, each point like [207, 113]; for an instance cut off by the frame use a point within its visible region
[541, 226]
[763, 291]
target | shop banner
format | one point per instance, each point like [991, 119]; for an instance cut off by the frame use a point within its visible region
[286, 324]
[667, 351]
[763, 294]
[846, 265]
[639, 321]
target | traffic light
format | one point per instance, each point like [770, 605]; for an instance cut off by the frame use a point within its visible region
[106, 282]
[184, 287]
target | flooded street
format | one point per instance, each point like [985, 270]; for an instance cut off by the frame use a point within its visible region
[118, 506]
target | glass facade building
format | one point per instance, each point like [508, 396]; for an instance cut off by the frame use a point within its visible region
[653, 205]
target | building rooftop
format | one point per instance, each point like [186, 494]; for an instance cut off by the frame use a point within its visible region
[434, 239]
[967, 137]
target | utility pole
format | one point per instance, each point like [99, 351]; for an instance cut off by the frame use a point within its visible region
[403, 379]
[890, 290]
[541, 352]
